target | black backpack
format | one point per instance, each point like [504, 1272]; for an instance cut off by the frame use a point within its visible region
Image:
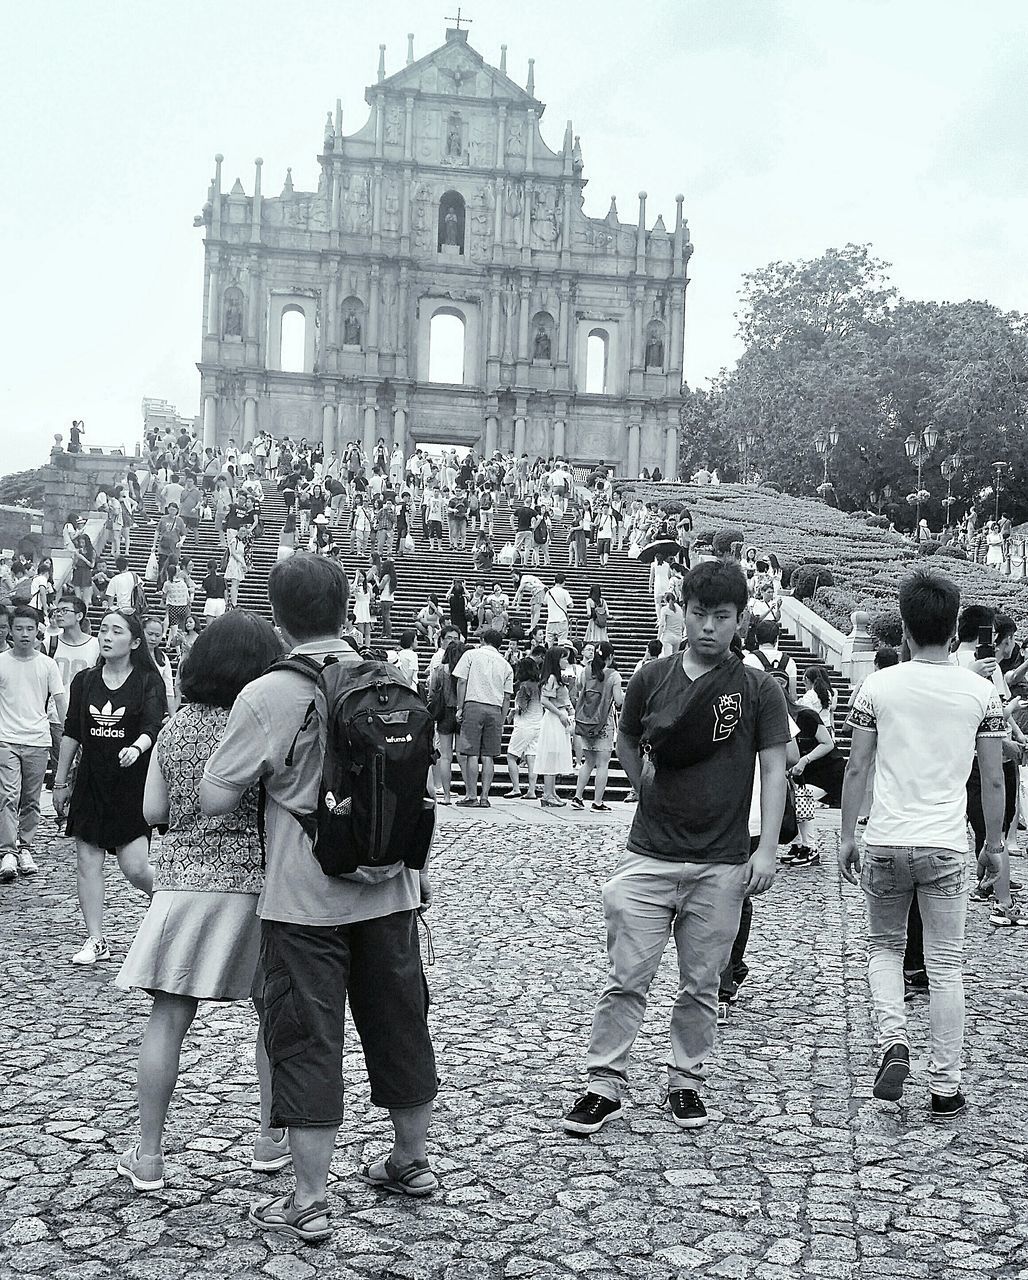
[778, 670]
[541, 533]
[373, 806]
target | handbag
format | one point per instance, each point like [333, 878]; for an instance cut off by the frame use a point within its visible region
[806, 808]
[408, 544]
[633, 551]
[151, 570]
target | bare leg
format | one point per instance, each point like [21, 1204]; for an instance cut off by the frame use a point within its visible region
[469, 772]
[90, 867]
[602, 767]
[488, 767]
[134, 860]
[312, 1147]
[530, 762]
[584, 770]
[514, 771]
[410, 1128]
[263, 1065]
[170, 1019]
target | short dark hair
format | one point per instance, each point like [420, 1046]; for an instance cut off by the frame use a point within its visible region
[654, 648]
[407, 639]
[492, 637]
[1005, 626]
[767, 631]
[929, 603]
[886, 656]
[73, 602]
[308, 595]
[230, 652]
[716, 582]
[972, 618]
[24, 611]
[121, 563]
[559, 577]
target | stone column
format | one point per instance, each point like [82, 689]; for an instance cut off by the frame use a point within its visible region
[671, 447]
[335, 202]
[373, 310]
[255, 222]
[370, 427]
[331, 320]
[400, 428]
[530, 141]
[408, 129]
[376, 201]
[492, 434]
[213, 309]
[210, 421]
[495, 338]
[563, 318]
[638, 340]
[520, 426]
[249, 419]
[328, 426]
[341, 434]
[525, 308]
[379, 124]
[634, 447]
[501, 137]
[675, 353]
[559, 437]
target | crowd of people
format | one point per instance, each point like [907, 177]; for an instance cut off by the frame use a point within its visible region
[184, 746]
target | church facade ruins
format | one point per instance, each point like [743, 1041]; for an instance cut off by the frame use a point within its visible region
[446, 219]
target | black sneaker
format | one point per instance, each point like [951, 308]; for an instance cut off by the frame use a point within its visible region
[915, 981]
[576, 803]
[807, 857]
[724, 1011]
[687, 1111]
[590, 1113]
[947, 1108]
[791, 854]
[894, 1070]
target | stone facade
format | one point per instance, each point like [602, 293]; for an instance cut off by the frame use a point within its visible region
[447, 201]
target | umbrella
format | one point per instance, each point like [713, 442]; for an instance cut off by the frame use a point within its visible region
[666, 547]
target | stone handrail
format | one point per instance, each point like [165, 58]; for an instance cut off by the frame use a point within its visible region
[851, 655]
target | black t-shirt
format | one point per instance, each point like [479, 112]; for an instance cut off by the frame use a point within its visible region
[214, 586]
[524, 517]
[701, 814]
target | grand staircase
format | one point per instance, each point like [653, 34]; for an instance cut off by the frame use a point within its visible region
[624, 583]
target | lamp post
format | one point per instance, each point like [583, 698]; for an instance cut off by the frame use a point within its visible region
[998, 467]
[824, 446]
[949, 468]
[918, 449]
[744, 444]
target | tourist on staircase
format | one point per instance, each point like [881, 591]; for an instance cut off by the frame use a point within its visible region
[524, 738]
[485, 687]
[597, 697]
[553, 755]
[442, 703]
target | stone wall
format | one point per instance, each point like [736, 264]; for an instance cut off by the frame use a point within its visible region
[72, 483]
[20, 528]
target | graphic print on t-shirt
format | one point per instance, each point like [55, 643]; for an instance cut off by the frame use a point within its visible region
[727, 714]
[107, 721]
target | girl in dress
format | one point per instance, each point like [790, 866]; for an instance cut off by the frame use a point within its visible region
[175, 594]
[457, 600]
[214, 591]
[671, 627]
[524, 740]
[442, 703]
[553, 754]
[200, 937]
[115, 711]
[360, 589]
[598, 615]
[429, 621]
[235, 566]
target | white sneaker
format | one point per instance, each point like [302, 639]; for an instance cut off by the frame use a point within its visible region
[8, 868]
[95, 949]
[26, 865]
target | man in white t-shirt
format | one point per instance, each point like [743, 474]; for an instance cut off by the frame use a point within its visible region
[406, 658]
[922, 722]
[535, 589]
[559, 608]
[485, 687]
[73, 651]
[768, 657]
[28, 680]
[121, 586]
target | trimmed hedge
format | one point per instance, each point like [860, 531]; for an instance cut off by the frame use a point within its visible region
[809, 578]
[887, 628]
[724, 538]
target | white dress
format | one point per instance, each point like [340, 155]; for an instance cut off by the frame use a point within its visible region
[553, 753]
[361, 604]
[995, 552]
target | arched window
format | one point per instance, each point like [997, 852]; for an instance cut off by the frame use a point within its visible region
[446, 347]
[597, 347]
[451, 221]
[293, 338]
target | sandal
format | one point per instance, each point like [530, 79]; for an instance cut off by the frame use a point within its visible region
[280, 1213]
[417, 1179]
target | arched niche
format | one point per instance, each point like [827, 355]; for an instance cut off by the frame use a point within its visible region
[287, 312]
[542, 338]
[597, 361]
[466, 313]
[656, 345]
[452, 220]
[447, 342]
[351, 324]
[232, 305]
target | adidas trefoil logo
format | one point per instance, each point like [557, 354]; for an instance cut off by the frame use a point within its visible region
[107, 716]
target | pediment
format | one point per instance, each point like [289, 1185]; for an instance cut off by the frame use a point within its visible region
[457, 70]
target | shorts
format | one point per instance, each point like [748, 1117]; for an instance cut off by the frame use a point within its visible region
[214, 608]
[603, 546]
[191, 522]
[481, 729]
[308, 973]
[435, 528]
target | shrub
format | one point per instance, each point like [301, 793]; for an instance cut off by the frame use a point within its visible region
[887, 628]
[835, 607]
[808, 578]
[724, 538]
[787, 571]
[955, 553]
[705, 537]
[928, 547]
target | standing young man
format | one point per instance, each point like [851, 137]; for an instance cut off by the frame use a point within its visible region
[73, 651]
[692, 727]
[28, 680]
[921, 723]
[324, 940]
[485, 687]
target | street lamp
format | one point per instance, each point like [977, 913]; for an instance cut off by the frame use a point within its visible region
[824, 446]
[919, 449]
[998, 486]
[949, 468]
[744, 444]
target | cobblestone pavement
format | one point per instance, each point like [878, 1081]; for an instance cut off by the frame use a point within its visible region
[801, 1173]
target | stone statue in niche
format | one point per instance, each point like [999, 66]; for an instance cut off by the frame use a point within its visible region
[392, 206]
[516, 137]
[451, 226]
[394, 126]
[454, 138]
[659, 303]
[546, 220]
[233, 317]
[352, 329]
[576, 156]
[330, 132]
[358, 203]
[655, 351]
[542, 346]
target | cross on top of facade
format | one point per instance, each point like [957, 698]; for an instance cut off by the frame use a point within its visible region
[459, 19]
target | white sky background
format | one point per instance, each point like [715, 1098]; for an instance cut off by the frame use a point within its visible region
[789, 127]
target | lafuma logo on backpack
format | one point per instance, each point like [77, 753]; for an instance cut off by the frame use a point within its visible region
[727, 714]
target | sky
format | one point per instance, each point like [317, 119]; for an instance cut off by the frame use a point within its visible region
[789, 125]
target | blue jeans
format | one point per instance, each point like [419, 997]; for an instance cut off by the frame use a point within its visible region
[644, 902]
[890, 877]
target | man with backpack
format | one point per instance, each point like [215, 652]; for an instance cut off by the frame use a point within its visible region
[334, 925]
[559, 608]
[768, 657]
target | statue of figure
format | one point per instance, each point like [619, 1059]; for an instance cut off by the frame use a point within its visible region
[515, 137]
[393, 127]
[655, 352]
[351, 329]
[233, 318]
[454, 144]
[576, 156]
[451, 226]
[542, 347]
[330, 132]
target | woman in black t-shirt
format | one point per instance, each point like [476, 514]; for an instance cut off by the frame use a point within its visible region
[115, 711]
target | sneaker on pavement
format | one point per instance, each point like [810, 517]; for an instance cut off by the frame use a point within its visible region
[947, 1108]
[806, 857]
[94, 949]
[590, 1113]
[978, 894]
[600, 808]
[632, 797]
[687, 1110]
[146, 1172]
[8, 868]
[26, 864]
[791, 854]
[724, 1010]
[1007, 917]
[893, 1071]
[576, 803]
[270, 1154]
